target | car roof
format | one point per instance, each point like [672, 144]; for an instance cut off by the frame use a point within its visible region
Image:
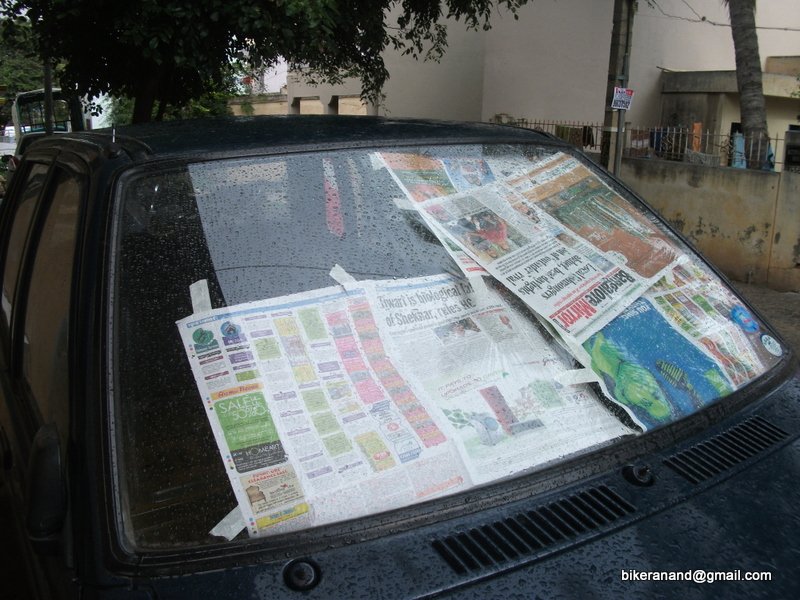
[243, 135]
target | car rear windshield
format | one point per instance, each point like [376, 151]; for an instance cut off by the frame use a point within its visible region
[311, 338]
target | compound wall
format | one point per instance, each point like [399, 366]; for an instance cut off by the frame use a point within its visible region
[747, 222]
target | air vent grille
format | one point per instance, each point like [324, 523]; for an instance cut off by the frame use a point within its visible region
[724, 451]
[531, 532]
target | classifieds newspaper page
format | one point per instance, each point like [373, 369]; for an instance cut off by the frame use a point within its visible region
[313, 419]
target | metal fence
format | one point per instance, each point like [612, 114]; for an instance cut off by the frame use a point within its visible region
[587, 136]
[702, 147]
[667, 143]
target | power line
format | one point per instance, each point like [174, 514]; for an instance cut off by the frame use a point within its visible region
[703, 19]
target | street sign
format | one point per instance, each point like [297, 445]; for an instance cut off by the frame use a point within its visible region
[622, 98]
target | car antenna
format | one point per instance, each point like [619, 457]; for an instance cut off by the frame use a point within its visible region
[113, 150]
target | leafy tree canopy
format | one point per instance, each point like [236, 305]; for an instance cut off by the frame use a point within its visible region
[170, 50]
[213, 102]
[21, 68]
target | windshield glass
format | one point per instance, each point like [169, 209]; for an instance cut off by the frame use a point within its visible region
[312, 338]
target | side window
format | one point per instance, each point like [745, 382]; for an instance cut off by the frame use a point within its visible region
[45, 366]
[18, 235]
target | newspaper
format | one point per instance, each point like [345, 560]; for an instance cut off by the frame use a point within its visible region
[350, 400]
[334, 404]
[711, 317]
[572, 247]
[423, 177]
[561, 277]
[568, 191]
[490, 376]
[686, 343]
[307, 408]
[663, 337]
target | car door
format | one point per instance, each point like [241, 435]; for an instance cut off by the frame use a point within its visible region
[40, 227]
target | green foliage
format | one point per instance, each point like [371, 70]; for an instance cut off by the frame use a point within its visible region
[169, 51]
[120, 111]
[20, 66]
[210, 104]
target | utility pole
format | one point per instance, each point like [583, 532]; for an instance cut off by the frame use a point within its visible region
[618, 70]
[48, 97]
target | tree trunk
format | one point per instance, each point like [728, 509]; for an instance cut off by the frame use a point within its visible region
[145, 100]
[748, 78]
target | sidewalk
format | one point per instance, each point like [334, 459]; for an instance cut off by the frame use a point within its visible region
[781, 309]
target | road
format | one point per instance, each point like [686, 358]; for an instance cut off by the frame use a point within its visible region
[781, 309]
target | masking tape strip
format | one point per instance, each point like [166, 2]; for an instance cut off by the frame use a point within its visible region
[377, 161]
[342, 277]
[404, 204]
[201, 299]
[576, 377]
[230, 526]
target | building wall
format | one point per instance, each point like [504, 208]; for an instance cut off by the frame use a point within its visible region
[352, 105]
[785, 258]
[552, 64]
[746, 222]
[260, 105]
[450, 89]
[304, 98]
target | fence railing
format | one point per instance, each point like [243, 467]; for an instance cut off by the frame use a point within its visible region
[667, 143]
[587, 136]
[703, 147]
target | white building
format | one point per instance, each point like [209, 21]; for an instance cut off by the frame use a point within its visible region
[552, 64]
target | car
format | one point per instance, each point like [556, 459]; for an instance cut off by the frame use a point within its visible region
[340, 357]
[11, 161]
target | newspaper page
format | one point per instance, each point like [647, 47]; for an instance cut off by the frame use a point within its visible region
[561, 277]
[686, 343]
[419, 176]
[709, 315]
[312, 418]
[567, 190]
[462, 261]
[490, 376]
[424, 177]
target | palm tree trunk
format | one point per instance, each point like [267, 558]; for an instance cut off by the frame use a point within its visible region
[748, 78]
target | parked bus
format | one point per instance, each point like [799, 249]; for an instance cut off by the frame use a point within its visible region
[28, 112]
